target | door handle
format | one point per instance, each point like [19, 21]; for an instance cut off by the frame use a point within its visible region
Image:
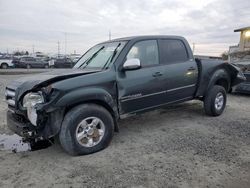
[157, 74]
[191, 69]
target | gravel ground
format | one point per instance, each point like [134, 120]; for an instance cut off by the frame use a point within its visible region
[178, 146]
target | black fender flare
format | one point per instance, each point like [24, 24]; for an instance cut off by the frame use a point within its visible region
[92, 94]
[219, 74]
[87, 94]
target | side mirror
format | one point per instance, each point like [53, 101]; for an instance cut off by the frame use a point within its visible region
[132, 64]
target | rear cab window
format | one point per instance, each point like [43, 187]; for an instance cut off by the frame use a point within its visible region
[172, 51]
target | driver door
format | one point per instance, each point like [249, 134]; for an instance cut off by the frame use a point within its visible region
[143, 88]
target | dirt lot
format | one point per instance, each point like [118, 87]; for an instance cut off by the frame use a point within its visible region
[178, 146]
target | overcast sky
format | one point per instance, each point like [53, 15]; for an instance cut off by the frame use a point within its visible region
[42, 23]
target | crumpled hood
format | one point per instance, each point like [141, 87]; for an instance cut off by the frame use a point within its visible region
[40, 80]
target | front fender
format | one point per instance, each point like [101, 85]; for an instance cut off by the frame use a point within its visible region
[73, 98]
[87, 94]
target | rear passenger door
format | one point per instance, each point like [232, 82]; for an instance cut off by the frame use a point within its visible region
[180, 70]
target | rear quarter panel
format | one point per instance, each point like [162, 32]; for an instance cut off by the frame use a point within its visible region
[211, 71]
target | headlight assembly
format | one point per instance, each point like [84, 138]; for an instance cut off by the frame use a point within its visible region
[29, 102]
[31, 99]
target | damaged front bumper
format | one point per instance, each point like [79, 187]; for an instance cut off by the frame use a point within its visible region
[19, 125]
[31, 118]
[49, 124]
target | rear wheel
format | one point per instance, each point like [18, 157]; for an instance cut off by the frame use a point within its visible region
[4, 66]
[215, 101]
[86, 129]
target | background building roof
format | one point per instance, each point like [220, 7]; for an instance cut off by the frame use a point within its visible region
[241, 29]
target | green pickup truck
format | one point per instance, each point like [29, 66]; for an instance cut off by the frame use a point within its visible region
[111, 81]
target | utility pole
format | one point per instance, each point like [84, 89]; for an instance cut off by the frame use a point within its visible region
[58, 49]
[65, 44]
[33, 48]
[109, 34]
[193, 47]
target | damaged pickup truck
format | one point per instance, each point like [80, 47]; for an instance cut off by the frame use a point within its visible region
[114, 80]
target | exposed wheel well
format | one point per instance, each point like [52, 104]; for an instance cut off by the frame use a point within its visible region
[100, 103]
[224, 83]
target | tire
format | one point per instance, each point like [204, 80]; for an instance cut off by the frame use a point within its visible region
[28, 66]
[4, 66]
[215, 101]
[71, 125]
[46, 66]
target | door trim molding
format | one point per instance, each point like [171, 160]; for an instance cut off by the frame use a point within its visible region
[123, 116]
[139, 95]
[183, 87]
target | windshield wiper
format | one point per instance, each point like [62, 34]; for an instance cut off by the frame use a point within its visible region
[111, 57]
[92, 57]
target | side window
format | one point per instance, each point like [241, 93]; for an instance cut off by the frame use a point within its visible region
[29, 59]
[146, 51]
[172, 51]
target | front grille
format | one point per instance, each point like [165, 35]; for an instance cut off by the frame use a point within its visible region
[10, 97]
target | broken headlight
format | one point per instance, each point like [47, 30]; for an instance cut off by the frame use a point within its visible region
[29, 102]
[31, 99]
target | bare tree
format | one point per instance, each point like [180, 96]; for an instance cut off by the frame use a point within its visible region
[224, 55]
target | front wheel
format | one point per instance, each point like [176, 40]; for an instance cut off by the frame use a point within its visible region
[86, 129]
[215, 101]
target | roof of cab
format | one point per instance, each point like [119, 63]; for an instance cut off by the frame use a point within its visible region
[144, 37]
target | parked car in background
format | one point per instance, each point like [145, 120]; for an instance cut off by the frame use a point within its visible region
[243, 87]
[75, 57]
[63, 63]
[31, 62]
[6, 63]
[16, 61]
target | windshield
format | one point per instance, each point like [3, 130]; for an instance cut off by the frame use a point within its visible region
[100, 56]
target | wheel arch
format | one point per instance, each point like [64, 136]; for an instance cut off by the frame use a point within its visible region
[91, 95]
[220, 77]
[224, 83]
